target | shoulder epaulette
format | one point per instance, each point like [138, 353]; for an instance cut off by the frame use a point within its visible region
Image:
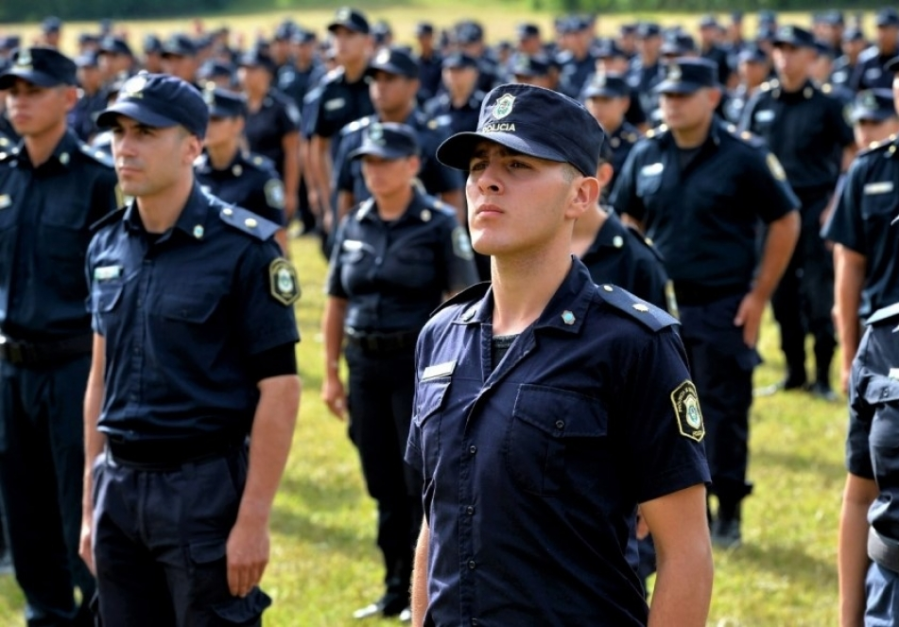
[883, 314]
[883, 144]
[110, 218]
[438, 205]
[644, 241]
[260, 162]
[750, 138]
[97, 155]
[467, 296]
[656, 132]
[247, 221]
[647, 314]
[5, 143]
[332, 76]
[356, 125]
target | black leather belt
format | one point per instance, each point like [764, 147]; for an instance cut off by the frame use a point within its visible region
[695, 295]
[883, 550]
[163, 455]
[381, 342]
[40, 353]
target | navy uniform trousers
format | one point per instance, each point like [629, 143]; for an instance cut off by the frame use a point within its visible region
[381, 393]
[159, 543]
[41, 455]
[721, 365]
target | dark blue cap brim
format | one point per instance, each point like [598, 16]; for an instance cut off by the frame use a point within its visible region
[107, 118]
[859, 114]
[679, 87]
[350, 25]
[41, 79]
[604, 92]
[223, 112]
[390, 68]
[380, 151]
[456, 151]
[892, 65]
[796, 43]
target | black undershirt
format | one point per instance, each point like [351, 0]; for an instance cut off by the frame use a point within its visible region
[500, 346]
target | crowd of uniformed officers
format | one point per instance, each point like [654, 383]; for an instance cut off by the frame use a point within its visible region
[736, 170]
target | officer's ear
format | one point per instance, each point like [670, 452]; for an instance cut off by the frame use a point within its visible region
[714, 96]
[70, 93]
[604, 174]
[414, 164]
[584, 195]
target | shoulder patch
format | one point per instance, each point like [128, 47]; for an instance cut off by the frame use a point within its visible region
[883, 314]
[284, 286]
[274, 193]
[647, 314]
[686, 409]
[247, 222]
[95, 154]
[356, 125]
[466, 297]
[777, 170]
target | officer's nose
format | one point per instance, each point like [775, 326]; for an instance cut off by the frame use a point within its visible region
[488, 181]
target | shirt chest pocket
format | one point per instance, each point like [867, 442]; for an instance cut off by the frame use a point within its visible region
[105, 300]
[879, 201]
[430, 398]
[556, 440]
[883, 394]
[412, 266]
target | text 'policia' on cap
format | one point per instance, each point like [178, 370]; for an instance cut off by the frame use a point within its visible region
[533, 121]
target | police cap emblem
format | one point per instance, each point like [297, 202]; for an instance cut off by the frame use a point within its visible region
[383, 56]
[674, 72]
[133, 87]
[283, 283]
[503, 106]
[687, 411]
[376, 134]
[23, 60]
[868, 100]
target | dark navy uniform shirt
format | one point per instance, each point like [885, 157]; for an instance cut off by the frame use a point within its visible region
[434, 176]
[430, 75]
[461, 120]
[295, 83]
[182, 314]
[842, 72]
[621, 256]
[81, 116]
[861, 222]
[704, 219]
[45, 217]
[621, 141]
[334, 103]
[574, 73]
[250, 181]
[394, 274]
[805, 129]
[869, 73]
[265, 129]
[872, 445]
[534, 466]
[642, 80]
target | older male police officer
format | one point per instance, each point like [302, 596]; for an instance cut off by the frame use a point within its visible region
[699, 191]
[548, 407]
[52, 188]
[193, 351]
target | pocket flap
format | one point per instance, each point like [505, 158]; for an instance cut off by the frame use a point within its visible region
[882, 390]
[187, 308]
[430, 399]
[560, 413]
[107, 297]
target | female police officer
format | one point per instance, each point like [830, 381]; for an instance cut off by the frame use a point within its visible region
[394, 259]
[869, 525]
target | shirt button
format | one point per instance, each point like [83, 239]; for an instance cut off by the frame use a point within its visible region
[474, 622]
[472, 565]
[469, 510]
[473, 449]
[560, 424]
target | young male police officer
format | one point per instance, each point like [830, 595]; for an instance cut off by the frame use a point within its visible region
[52, 189]
[548, 407]
[193, 351]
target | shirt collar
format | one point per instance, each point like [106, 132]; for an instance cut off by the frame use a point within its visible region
[565, 311]
[415, 211]
[63, 153]
[191, 221]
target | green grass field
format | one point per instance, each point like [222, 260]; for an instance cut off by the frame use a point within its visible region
[325, 563]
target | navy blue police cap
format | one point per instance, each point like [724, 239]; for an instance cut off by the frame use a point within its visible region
[609, 49]
[256, 57]
[424, 28]
[678, 45]
[223, 103]
[88, 39]
[791, 35]
[628, 29]
[351, 19]
[11, 42]
[152, 44]
[179, 45]
[523, 64]
[708, 21]
[387, 140]
[736, 17]
[687, 75]
[469, 33]
[302, 36]
[212, 69]
[51, 24]
[44, 67]
[459, 60]
[873, 105]
[393, 61]
[115, 45]
[89, 59]
[527, 30]
[606, 85]
[887, 16]
[767, 17]
[284, 31]
[158, 101]
[752, 53]
[853, 33]
[648, 29]
[533, 121]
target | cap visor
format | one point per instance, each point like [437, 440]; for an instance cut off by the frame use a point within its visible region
[456, 151]
[335, 25]
[8, 78]
[107, 118]
[866, 115]
[604, 93]
[678, 87]
[379, 151]
[221, 112]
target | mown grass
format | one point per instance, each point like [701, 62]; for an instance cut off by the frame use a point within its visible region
[325, 563]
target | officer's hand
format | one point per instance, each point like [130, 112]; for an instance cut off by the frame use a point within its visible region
[290, 208]
[85, 546]
[749, 316]
[247, 552]
[334, 396]
[845, 372]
